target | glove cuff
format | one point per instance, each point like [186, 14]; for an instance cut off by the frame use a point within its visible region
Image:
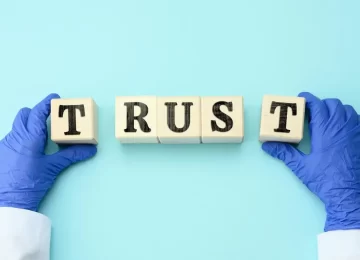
[343, 218]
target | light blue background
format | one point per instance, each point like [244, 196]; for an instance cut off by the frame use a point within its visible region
[179, 202]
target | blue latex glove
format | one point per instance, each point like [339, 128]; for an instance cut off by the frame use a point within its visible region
[26, 173]
[332, 169]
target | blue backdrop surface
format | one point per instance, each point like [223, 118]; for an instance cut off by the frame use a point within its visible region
[179, 202]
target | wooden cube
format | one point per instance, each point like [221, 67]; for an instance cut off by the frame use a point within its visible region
[282, 119]
[178, 120]
[222, 119]
[74, 121]
[135, 119]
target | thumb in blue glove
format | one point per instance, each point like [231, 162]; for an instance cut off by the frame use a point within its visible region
[26, 173]
[332, 169]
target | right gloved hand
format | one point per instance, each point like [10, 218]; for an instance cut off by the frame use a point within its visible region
[332, 169]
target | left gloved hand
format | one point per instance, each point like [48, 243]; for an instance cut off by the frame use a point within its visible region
[332, 169]
[26, 173]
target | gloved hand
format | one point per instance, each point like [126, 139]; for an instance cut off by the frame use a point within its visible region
[332, 169]
[26, 173]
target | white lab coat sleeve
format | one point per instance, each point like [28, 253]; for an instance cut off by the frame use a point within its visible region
[339, 245]
[24, 235]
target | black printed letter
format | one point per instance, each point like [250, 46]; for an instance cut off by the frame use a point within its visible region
[72, 117]
[222, 116]
[130, 117]
[171, 116]
[283, 114]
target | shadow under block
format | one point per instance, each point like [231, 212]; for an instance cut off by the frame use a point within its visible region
[222, 119]
[74, 121]
[135, 119]
[282, 119]
[178, 120]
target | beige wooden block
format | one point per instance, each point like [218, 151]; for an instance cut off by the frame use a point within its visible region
[282, 119]
[135, 119]
[178, 120]
[222, 119]
[74, 121]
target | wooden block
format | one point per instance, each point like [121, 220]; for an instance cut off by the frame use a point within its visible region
[282, 119]
[178, 120]
[74, 121]
[222, 119]
[135, 119]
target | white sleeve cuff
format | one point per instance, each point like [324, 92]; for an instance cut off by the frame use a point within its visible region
[339, 245]
[24, 234]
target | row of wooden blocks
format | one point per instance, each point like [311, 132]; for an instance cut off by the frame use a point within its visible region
[178, 120]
